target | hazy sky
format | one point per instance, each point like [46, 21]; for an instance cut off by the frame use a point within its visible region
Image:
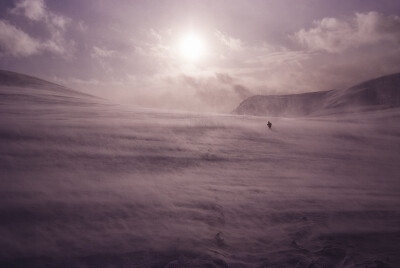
[132, 51]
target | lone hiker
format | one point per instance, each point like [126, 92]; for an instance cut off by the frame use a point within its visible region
[269, 124]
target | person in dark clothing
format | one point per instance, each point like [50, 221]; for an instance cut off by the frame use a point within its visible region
[269, 124]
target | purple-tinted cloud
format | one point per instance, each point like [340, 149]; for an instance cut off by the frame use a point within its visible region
[15, 42]
[228, 41]
[32, 9]
[334, 35]
[36, 10]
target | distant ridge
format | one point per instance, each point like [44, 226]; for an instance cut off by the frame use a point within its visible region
[379, 93]
[8, 78]
[13, 79]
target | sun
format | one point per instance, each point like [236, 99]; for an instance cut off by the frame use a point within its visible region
[192, 47]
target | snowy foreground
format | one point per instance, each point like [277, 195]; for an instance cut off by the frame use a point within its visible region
[88, 184]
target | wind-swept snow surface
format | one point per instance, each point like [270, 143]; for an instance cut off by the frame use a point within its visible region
[88, 184]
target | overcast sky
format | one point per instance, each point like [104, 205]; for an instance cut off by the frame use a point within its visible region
[130, 51]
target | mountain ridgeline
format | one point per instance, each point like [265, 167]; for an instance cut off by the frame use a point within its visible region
[379, 93]
[15, 83]
[376, 94]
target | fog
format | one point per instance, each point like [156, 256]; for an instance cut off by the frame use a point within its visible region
[86, 183]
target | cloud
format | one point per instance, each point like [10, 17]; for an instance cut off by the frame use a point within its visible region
[152, 43]
[102, 52]
[81, 26]
[36, 10]
[103, 56]
[277, 57]
[156, 35]
[335, 36]
[17, 43]
[25, 45]
[230, 42]
[32, 9]
[224, 78]
[242, 91]
[213, 92]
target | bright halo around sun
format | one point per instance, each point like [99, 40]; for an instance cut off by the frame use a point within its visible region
[192, 47]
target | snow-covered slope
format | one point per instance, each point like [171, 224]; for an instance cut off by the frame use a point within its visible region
[383, 92]
[283, 105]
[17, 80]
[380, 93]
[8, 78]
[87, 184]
[22, 92]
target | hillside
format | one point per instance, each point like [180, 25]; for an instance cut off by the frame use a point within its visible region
[8, 78]
[379, 93]
[17, 80]
[85, 183]
[23, 91]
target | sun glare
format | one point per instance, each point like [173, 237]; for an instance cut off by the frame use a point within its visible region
[192, 47]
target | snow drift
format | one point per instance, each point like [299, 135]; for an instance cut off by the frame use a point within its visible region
[380, 93]
[88, 184]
